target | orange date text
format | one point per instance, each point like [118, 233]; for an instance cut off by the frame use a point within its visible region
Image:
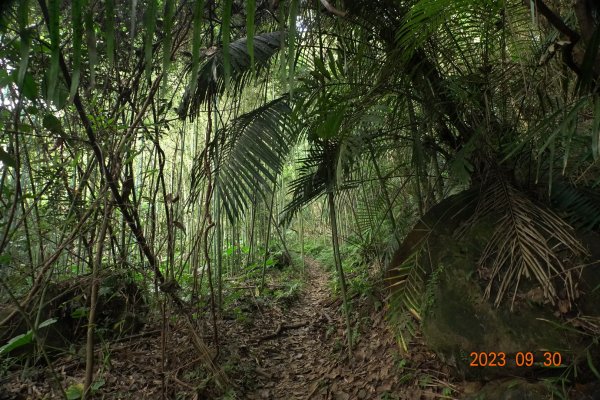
[520, 359]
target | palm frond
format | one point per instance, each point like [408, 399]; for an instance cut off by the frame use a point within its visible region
[313, 177]
[252, 151]
[407, 284]
[328, 166]
[211, 75]
[526, 243]
[412, 271]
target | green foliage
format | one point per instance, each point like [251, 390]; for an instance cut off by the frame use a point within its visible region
[208, 78]
[407, 285]
[580, 204]
[251, 151]
[390, 106]
[24, 338]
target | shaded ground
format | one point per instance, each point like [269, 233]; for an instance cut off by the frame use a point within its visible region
[309, 359]
[292, 349]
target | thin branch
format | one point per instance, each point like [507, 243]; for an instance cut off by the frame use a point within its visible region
[333, 10]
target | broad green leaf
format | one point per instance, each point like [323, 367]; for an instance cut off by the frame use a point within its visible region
[80, 312]
[25, 338]
[75, 391]
[29, 88]
[53, 124]
[16, 342]
[47, 322]
[98, 384]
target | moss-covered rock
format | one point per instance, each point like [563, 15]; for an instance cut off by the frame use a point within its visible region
[512, 389]
[458, 320]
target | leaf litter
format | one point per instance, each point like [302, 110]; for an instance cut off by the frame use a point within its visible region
[289, 351]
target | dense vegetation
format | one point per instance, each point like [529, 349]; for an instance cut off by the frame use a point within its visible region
[164, 161]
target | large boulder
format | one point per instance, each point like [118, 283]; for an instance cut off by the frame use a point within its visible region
[456, 318]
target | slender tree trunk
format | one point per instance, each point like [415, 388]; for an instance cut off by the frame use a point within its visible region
[300, 214]
[97, 265]
[254, 206]
[338, 267]
[264, 269]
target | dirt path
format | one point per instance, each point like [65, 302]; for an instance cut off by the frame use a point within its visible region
[293, 354]
[299, 353]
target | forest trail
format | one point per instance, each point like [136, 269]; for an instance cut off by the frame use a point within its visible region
[300, 352]
[291, 360]
[290, 350]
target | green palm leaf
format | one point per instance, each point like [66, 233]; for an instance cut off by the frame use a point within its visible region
[211, 78]
[252, 151]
